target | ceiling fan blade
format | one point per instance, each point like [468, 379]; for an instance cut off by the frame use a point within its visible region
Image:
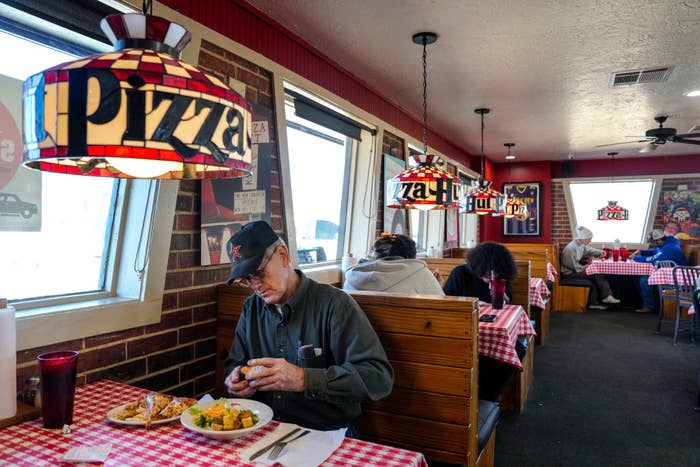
[686, 141]
[622, 142]
[687, 135]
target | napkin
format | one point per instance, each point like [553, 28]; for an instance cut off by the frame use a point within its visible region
[309, 451]
[87, 453]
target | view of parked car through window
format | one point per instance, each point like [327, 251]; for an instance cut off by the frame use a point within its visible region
[11, 205]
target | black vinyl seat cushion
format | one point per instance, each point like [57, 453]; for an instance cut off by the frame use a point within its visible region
[489, 413]
[575, 282]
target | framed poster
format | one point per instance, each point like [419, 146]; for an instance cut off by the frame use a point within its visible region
[394, 219]
[452, 226]
[529, 193]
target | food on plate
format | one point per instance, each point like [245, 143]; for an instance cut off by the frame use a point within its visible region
[152, 407]
[224, 416]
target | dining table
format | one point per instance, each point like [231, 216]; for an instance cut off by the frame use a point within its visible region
[623, 268]
[539, 292]
[170, 444]
[497, 338]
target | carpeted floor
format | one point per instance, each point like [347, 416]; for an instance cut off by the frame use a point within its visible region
[607, 391]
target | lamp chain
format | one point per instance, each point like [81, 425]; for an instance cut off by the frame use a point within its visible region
[425, 96]
[482, 146]
[147, 7]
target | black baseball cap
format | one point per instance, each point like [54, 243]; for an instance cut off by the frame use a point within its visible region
[248, 247]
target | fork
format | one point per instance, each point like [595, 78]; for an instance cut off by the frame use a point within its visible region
[279, 447]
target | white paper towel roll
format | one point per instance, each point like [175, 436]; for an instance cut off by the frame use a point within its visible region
[8, 363]
[347, 262]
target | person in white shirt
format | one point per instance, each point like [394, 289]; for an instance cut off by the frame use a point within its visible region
[574, 258]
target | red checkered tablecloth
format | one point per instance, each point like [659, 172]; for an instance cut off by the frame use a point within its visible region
[664, 276]
[539, 293]
[626, 268]
[551, 272]
[28, 444]
[497, 339]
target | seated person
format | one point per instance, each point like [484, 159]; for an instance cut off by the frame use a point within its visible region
[394, 270]
[575, 257]
[665, 248]
[488, 260]
[312, 354]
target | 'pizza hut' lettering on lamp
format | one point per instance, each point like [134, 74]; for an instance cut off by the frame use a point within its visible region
[136, 112]
[424, 187]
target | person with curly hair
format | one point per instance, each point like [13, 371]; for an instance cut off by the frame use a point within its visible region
[395, 269]
[488, 260]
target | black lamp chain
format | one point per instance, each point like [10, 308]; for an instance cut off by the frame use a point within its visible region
[482, 146]
[147, 7]
[425, 96]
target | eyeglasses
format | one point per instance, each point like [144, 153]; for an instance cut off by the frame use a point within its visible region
[256, 276]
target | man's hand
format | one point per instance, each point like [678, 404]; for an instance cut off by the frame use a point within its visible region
[237, 386]
[275, 374]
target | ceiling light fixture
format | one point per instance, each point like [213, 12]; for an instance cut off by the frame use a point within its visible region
[613, 212]
[482, 199]
[136, 112]
[425, 186]
[694, 93]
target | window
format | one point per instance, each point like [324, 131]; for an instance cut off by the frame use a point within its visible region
[585, 198]
[72, 249]
[322, 148]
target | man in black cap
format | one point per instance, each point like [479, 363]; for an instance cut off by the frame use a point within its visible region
[312, 353]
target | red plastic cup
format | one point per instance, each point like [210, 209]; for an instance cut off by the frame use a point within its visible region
[607, 252]
[624, 254]
[616, 254]
[58, 370]
[498, 291]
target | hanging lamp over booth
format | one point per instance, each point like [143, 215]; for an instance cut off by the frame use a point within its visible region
[613, 212]
[483, 199]
[425, 186]
[136, 112]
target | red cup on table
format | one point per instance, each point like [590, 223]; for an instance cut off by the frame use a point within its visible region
[58, 370]
[498, 292]
[616, 254]
[623, 254]
[607, 252]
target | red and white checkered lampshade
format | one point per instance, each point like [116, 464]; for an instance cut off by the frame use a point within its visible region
[613, 212]
[138, 111]
[483, 199]
[425, 186]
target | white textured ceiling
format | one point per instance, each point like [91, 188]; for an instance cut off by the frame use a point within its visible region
[544, 67]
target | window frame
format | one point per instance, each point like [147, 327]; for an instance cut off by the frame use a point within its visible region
[651, 214]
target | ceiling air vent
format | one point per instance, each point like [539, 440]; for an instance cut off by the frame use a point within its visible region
[649, 75]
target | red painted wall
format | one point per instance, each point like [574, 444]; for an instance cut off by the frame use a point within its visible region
[244, 24]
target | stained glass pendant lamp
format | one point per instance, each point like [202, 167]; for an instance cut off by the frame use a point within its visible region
[483, 199]
[136, 112]
[425, 186]
[613, 212]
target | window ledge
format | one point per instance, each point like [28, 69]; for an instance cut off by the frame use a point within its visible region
[328, 273]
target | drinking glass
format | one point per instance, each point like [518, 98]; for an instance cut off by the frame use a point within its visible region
[607, 252]
[498, 290]
[58, 370]
[623, 254]
[616, 254]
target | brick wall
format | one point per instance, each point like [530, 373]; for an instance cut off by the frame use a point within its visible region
[392, 145]
[176, 355]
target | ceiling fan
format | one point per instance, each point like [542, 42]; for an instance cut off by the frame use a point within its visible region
[658, 136]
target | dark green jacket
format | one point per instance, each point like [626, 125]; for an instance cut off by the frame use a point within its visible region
[351, 366]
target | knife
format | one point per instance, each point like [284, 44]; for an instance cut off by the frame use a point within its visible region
[271, 445]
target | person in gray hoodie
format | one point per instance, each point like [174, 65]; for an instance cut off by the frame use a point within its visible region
[394, 270]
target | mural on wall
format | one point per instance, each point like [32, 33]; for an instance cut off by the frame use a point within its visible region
[681, 213]
[229, 204]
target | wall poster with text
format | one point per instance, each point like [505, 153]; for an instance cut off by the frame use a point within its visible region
[529, 193]
[227, 204]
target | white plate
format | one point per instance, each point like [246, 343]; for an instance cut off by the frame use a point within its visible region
[263, 412]
[137, 422]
